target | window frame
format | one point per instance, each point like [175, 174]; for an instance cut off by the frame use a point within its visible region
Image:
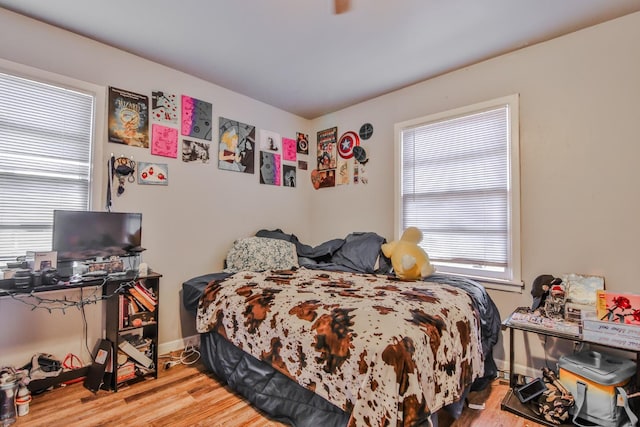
[97, 169]
[513, 274]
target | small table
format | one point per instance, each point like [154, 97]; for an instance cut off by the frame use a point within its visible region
[510, 402]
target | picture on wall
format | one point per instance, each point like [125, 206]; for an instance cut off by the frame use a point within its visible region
[289, 149]
[270, 141]
[195, 151]
[236, 149]
[196, 118]
[327, 150]
[323, 179]
[164, 107]
[343, 177]
[302, 165]
[164, 141]
[288, 175]
[128, 121]
[302, 143]
[269, 168]
[153, 173]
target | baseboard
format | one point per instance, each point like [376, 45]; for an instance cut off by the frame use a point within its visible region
[503, 366]
[179, 344]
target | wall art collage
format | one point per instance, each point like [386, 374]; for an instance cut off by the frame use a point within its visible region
[341, 160]
[183, 126]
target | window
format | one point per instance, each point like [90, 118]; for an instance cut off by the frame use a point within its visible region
[459, 184]
[46, 135]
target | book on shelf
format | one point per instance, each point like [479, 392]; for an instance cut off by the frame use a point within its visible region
[126, 371]
[135, 354]
[124, 311]
[142, 299]
[146, 291]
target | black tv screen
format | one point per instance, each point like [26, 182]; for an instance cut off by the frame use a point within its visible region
[85, 235]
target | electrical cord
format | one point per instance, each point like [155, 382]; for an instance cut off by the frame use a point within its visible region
[188, 356]
[85, 326]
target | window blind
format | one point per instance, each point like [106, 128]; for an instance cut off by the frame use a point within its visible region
[45, 160]
[455, 188]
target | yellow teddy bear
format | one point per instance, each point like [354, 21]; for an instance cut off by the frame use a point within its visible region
[409, 260]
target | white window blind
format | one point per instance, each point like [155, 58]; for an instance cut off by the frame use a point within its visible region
[45, 160]
[456, 187]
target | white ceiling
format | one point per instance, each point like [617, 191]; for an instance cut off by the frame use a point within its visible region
[298, 55]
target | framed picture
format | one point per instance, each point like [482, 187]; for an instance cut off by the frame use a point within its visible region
[153, 173]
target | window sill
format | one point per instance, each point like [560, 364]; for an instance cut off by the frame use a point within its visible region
[495, 284]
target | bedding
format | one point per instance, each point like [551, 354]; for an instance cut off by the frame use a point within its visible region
[334, 343]
[388, 352]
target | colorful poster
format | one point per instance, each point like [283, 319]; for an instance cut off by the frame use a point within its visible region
[288, 175]
[323, 179]
[327, 151]
[195, 151]
[236, 149]
[302, 143]
[128, 118]
[289, 149]
[269, 168]
[153, 173]
[270, 141]
[164, 107]
[196, 118]
[164, 141]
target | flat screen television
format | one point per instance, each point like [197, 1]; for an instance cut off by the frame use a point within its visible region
[86, 235]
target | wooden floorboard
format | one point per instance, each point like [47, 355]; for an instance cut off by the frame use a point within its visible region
[190, 396]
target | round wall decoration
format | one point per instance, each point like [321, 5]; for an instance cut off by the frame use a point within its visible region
[366, 130]
[347, 141]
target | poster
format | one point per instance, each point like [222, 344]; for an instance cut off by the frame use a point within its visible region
[270, 141]
[164, 107]
[327, 140]
[196, 118]
[153, 173]
[128, 118]
[302, 143]
[288, 149]
[269, 168]
[288, 175]
[323, 179]
[195, 151]
[236, 149]
[164, 141]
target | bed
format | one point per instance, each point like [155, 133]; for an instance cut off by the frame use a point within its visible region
[327, 336]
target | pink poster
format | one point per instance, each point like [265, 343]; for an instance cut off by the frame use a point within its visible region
[164, 141]
[289, 149]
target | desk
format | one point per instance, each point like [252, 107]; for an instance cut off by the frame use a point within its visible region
[510, 402]
[115, 290]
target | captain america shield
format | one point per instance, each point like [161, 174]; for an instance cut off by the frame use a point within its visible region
[347, 141]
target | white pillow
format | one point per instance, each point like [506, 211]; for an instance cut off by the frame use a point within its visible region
[260, 254]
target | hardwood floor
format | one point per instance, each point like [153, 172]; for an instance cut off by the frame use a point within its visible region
[189, 396]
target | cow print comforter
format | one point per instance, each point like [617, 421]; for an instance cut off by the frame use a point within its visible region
[386, 351]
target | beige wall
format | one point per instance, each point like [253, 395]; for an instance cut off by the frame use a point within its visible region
[579, 124]
[187, 226]
[579, 147]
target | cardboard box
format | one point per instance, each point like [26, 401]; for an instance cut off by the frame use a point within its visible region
[618, 307]
[614, 334]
